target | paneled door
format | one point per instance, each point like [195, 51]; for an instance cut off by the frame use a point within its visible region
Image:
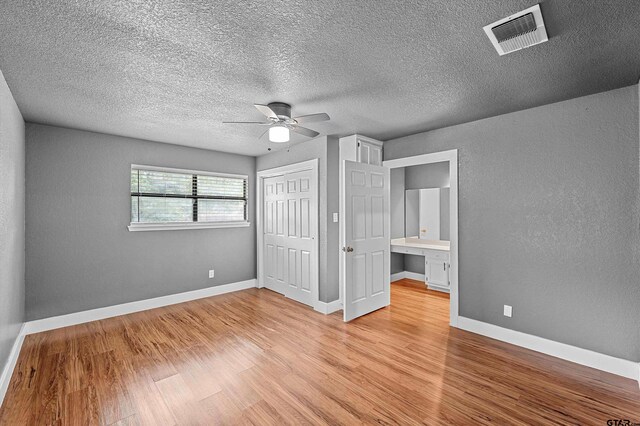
[366, 250]
[290, 210]
[274, 199]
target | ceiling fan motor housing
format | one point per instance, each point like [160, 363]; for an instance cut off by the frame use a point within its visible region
[281, 109]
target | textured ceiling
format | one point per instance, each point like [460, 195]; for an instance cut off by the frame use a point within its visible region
[172, 70]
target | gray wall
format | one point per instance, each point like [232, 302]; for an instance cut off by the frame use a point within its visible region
[549, 219]
[414, 263]
[11, 221]
[434, 175]
[321, 148]
[412, 213]
[80, 254]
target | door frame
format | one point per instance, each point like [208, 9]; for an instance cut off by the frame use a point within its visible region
[438, 157]
[277, 171]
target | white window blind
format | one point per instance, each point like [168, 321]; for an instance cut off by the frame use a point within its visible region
[174, 196]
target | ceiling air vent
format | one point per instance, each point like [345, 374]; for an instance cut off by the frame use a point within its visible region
[519, 31]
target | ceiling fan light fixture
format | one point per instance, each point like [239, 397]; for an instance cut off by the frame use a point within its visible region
[281, 123]
[279, 134]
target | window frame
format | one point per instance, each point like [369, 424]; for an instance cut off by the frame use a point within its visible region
[167, 226]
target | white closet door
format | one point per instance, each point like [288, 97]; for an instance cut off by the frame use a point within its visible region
[301, 259]
[275, 248]
[290, 209]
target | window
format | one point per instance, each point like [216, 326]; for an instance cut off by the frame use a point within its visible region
[164, 198]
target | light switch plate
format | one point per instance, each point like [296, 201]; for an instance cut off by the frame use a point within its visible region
[508, 311]
[335, 218]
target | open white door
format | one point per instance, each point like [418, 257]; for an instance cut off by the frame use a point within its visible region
[366, 239]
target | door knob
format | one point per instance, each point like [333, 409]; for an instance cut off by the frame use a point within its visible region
[347, 249]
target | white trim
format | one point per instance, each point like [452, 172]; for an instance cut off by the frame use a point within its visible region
[416, 160]
[174, 226]
[620, 367]
[398, 276]
[75, 318]
[438, 288]
[187, 171]
[328, 307]
[436, 157]
[10, 365]
[407, 274]
[277, 171]
[178, 226]
[289, 168]
[414, 276]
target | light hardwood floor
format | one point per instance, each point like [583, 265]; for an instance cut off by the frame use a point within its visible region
[254, 357]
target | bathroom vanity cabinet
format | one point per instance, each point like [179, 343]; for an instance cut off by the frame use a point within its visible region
[436, 258]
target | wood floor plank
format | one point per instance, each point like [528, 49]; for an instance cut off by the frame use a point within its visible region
[181, 401]
[81, 407]
[262, 413]
[221, 409]
[254, 357]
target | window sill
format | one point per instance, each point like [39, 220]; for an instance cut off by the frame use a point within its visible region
[134, 227]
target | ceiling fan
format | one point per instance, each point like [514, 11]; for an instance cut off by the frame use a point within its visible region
[281, 123]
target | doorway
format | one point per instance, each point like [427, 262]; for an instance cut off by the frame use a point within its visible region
[438, 268]
[287, 231]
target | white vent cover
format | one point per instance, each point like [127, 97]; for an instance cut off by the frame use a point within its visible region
[519, 31]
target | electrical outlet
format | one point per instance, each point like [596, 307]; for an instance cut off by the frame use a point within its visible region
[335, 218]
[211, 273]
[508, 311]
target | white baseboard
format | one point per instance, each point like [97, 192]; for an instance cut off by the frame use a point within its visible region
[7, 371]
[406, 274]
[131, 307]
[397, 276]
[414, 276]
[610, 364]
[328, 307]
[440, 289]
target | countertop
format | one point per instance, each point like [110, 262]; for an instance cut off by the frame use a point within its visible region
[416, 242]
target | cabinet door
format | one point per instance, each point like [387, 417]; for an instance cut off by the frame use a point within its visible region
[436, 272]
[369, 153]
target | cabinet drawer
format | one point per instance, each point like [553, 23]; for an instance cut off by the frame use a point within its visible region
[407, 250]
[437, 255]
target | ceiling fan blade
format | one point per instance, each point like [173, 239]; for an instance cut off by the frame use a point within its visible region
[304, 131]
[312, 118]
[266, 111]
[262, 135]
[245, 122]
